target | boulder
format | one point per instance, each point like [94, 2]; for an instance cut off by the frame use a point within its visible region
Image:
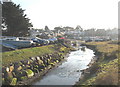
[32, 58]
[14, 75]
[7, 69]
[36, 66]
[20, 63]
[49, 66]
[14, 81]
[37, 58]
[28, 62]
[30, 73]
[24, 73]
[8, 77]
[40, 62]
[19, 68]
[23, 78]
[11, 68]
[36, 70]
[57, 61]
[52, 64]
[27, 66]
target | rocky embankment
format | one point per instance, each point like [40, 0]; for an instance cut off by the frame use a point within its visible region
[25, 72]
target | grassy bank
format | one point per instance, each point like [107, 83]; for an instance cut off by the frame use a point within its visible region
[105, 70]
[22, 67]
[24, 54]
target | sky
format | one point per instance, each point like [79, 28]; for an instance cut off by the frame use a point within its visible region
[99, 14]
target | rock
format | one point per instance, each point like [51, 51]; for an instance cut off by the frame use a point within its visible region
[14, 81]
[36, 66]
[14, 75]
[23, 78]
[11, 68]
[49, 66]
[37, 58]
[31, 61]
[48, 60]
[78, 71]
[19, 68]
[42, 58]
[57, 61]
[27, 66]
[36, 70]
[40, 62]
[20, 63]
[19, 74]
[7, 69]
[30, 73]
[28, 62]
[52, 64]
[32, 58]
[9, 77]
[24, 73]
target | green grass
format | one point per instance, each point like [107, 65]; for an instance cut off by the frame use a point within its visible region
[24, 54]
[107, 69]
[104, 47]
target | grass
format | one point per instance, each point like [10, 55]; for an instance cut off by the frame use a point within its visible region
[24, 54]
[106, 71]
[104, 47]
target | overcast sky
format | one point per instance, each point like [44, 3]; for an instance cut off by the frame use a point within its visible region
[86, 13]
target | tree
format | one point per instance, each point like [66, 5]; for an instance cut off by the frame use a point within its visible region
[46, 28]
[59, 29]
[15, 20]
[100, 32]
[79, 28]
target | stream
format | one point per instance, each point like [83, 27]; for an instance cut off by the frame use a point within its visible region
[68, 73]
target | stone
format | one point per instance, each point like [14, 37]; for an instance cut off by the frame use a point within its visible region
[27, 66]
[37, 58]
[40, 62]
[52, 64]
[31, 61]
[36, 70]
[7, 69]
[14, 81]
[14, 75]
[28, 62]
[30, 73]
[78, 71]
[11, 68]
[19, 68]
[36, 66]
[9, 77]
[24, 73]
[23, 78]
[49, 66]
[20, 63]
[32, 58]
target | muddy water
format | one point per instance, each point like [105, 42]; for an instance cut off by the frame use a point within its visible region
[68, 73]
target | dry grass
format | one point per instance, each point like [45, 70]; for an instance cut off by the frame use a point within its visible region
[107, 69]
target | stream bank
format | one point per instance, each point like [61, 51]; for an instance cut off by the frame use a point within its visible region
[103, 70]
[23, 71]
[69, 71]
